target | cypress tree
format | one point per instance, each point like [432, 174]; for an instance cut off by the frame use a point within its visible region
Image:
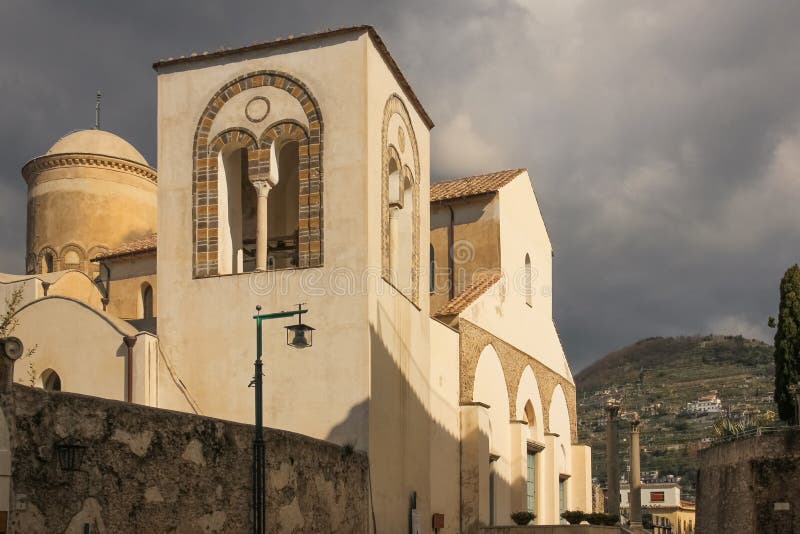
[787, 343]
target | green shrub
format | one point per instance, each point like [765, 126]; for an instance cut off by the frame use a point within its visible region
[523, 518]
[602, 519]
[573, 517]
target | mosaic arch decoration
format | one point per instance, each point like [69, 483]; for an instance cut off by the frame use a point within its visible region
[395, 106]
[205, 173]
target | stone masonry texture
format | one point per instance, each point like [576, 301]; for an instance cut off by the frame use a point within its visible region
[751, 485]
[152, 470]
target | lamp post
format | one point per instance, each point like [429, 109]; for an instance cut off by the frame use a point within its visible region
[298, 340]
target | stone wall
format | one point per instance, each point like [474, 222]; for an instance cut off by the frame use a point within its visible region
[553, 529]
[151, 470]
[751, 485]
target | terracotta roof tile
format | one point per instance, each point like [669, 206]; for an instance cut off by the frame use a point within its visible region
[131, 248]
[479, 286]
[282, 41]
[472, 185]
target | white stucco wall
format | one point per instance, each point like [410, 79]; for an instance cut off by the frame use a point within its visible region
[504, 312]
[320, 391]
[445, 434]
[400, 415]
[84, 346]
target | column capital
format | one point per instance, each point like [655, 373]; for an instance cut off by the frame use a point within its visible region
[612, 408]
[635, 422]
[263, 187]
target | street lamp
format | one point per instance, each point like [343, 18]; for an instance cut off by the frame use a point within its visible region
[298, 340]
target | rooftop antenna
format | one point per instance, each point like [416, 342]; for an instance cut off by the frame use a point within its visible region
[97, 111]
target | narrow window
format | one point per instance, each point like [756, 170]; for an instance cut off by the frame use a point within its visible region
[531, 481]
[283, 207]
[147, 301]
[47, 263]
[528, 281]
[562, 495]
[232, 175]
[432, 274]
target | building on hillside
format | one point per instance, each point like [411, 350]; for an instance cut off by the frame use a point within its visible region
[298, 171]
[663, 500]
[705, 404]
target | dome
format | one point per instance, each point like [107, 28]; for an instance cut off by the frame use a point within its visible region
[96, 142]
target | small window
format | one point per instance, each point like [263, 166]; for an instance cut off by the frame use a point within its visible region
[528, 281]
[51, 381]
[48, 263]
[656, 496]
[432, 272]
[147, 301]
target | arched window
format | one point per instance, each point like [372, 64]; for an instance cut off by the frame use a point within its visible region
[72, 260]
[51, 381]
[401, 227]
[147, 301]
[528, 281]
[237, 204]
[283, 205]
[432, 269]
[48, 262]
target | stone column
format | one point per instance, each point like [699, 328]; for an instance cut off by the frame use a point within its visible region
[262, 189]
[636, 479]
[612, 467]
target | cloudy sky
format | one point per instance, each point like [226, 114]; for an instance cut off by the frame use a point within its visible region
[663, 137]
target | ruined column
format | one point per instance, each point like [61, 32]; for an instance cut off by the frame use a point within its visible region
[262, 189]
[612, 467]
[636, 479]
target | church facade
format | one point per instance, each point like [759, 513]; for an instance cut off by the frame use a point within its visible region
[299, 171]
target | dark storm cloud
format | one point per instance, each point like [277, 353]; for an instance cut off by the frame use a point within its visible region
[663, 138]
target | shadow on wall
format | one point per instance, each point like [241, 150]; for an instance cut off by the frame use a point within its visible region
[414, 451]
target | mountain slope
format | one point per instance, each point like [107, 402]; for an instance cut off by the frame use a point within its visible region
[657, 377]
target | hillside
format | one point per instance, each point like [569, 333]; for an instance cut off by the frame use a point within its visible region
[658, 377]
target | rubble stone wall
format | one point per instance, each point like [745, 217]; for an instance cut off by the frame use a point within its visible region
[150, 470]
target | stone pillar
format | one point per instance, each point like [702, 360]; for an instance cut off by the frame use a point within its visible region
[612, 467]
[262, 189]
[636, 478]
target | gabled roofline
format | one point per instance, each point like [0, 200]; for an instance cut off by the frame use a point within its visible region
[283, 41]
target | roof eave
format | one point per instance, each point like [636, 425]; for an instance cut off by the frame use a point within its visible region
[376, 40]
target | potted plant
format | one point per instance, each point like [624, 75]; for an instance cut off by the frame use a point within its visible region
[573, 517]
[522, 518]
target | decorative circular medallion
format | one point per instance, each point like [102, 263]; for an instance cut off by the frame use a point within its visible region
[401, 139]
[257, 109]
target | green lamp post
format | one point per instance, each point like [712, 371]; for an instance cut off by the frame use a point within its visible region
[298, 336]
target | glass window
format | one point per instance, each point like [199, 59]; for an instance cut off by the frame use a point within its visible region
[531, 482]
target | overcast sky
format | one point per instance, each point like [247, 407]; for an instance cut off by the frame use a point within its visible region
[663, 137]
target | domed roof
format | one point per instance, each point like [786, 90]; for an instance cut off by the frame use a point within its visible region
[96, 142]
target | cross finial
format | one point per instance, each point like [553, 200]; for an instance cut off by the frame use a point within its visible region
[97, 111]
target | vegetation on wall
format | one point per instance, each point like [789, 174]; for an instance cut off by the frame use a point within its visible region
[787, 343]
[9, 322]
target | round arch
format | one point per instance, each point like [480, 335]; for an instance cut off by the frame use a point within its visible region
[204, 214]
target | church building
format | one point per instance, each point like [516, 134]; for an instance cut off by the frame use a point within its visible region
[298, 171]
